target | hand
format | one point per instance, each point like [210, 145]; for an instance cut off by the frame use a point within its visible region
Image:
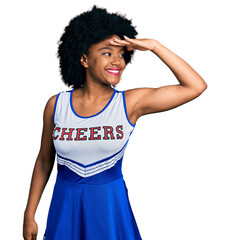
[30, 229]
[132, 44]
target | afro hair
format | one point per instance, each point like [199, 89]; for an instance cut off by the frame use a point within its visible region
[84, 30]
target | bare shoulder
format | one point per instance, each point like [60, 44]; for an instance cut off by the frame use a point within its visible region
[49, 108]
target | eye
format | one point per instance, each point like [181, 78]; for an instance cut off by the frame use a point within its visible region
[107, 54]
[122, 55]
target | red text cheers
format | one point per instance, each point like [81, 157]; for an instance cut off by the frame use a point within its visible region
[95, 133]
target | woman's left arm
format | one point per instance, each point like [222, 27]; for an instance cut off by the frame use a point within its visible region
[151, 100]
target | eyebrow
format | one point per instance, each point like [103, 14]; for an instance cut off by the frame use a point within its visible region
[109, 48]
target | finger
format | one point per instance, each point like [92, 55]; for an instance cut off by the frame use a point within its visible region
[27, 237]
[34, 237]
[120, 43]
[129, 39]
[133, 41]
[138, 44]
[115, 43]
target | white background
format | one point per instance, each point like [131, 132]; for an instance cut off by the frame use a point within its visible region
[176, 166]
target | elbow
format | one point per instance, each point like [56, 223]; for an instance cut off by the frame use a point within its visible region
[45, 163]
[203, 87]
[198, 90]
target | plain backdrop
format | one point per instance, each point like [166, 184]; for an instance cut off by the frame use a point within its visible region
[177, 164]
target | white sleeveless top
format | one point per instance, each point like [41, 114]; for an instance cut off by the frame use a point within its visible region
[90, 145]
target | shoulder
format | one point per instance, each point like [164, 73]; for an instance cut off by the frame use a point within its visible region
[51, 103]
[135, 99]
[132, 98]
[50, 107]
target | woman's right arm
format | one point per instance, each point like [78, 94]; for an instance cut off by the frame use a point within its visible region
[41, 173]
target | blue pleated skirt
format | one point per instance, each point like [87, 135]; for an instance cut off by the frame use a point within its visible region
[90, 210]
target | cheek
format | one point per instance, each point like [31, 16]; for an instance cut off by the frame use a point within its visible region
[97, 63]
[93, 63]
[97, 67]
[123, 64]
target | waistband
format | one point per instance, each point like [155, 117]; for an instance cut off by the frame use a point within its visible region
[106, 176]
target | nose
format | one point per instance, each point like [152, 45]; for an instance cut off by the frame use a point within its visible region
[116, 61]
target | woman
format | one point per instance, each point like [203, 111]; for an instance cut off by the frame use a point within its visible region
[89, 128]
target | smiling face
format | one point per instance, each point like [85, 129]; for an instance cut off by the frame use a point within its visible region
[104, 63]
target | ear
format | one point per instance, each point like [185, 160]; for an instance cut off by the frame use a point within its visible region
[84, 60]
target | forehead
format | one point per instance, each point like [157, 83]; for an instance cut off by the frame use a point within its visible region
[106, 43]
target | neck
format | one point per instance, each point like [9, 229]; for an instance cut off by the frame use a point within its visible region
[94, 90]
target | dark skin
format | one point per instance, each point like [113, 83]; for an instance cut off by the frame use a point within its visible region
[104, 65]
[42, 170]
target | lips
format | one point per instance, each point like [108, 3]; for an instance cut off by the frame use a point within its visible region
[114, 71]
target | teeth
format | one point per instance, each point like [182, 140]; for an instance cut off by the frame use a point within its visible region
[114, 71]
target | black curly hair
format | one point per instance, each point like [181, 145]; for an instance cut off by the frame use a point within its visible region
[84, 30]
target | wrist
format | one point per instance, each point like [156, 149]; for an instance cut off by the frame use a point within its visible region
[28, 215]
[154, 45]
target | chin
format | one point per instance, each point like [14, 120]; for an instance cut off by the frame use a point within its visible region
[115, 81]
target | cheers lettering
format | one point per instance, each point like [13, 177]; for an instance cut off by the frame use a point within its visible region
[95, 133]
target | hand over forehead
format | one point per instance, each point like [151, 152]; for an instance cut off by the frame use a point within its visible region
[132, 44]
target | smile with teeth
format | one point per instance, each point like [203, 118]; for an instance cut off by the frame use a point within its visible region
[115, 72]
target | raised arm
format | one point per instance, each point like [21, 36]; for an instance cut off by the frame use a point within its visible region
[42, 169]
[150, 100]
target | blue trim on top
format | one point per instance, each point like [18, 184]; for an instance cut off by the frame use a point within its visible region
[95, 169]
[55, 106]
[123, 94]
[71, 105]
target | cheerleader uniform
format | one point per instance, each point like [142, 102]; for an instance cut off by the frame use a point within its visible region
[90, 198]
